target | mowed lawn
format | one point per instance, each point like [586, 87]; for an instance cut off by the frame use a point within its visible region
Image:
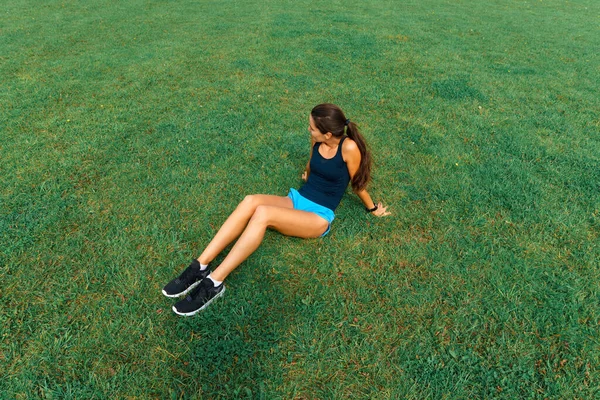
[130, 130]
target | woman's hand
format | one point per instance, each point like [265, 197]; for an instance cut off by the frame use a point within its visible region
[381, 211]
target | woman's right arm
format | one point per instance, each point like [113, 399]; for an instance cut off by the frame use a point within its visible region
[307, 169]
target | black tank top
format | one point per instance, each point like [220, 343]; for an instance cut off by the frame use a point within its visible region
[328, 178]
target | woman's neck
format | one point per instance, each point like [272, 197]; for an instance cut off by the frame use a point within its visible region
[332, 142]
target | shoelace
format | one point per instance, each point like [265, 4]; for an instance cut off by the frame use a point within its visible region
[189, 272]
[197, 290]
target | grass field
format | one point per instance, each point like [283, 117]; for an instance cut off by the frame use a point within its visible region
[130, 130]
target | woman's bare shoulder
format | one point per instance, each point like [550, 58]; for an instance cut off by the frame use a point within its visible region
[349, 144]
[350, 149]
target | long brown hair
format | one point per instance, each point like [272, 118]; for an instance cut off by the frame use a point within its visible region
[331, 118]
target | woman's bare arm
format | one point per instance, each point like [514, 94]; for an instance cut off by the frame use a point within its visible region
[307, 169]
[351, 155]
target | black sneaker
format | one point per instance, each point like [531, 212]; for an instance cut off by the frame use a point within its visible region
[199, 298]
[189, 279]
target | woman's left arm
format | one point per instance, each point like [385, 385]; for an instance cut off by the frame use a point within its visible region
[378, 210]
[351, 155]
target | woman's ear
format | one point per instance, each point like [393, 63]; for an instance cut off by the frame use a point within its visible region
[328, 135]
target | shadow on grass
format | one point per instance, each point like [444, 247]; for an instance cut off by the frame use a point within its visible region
[232, 343]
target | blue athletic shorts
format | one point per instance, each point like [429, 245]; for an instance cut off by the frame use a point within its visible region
[302, 203]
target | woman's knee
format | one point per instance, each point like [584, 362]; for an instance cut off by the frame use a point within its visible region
[261, 215]
[250, 202]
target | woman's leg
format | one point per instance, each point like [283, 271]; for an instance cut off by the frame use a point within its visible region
[237, 221]
[288, 221]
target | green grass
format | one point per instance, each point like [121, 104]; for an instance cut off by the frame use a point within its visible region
[130, 130]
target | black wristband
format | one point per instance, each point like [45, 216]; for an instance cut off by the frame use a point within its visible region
[370, 210]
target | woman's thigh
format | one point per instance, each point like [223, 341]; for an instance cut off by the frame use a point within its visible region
[291, 222]
[269, 200]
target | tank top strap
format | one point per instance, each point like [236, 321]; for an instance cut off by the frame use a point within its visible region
[339, 152]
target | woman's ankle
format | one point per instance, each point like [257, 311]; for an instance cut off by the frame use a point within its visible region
[203, 261]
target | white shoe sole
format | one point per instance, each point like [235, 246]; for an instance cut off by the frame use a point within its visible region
[201, 308]
[186, 291]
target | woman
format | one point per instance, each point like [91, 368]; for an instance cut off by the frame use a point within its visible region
[335, 160]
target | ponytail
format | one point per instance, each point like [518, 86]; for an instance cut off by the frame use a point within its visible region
[363, 175]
